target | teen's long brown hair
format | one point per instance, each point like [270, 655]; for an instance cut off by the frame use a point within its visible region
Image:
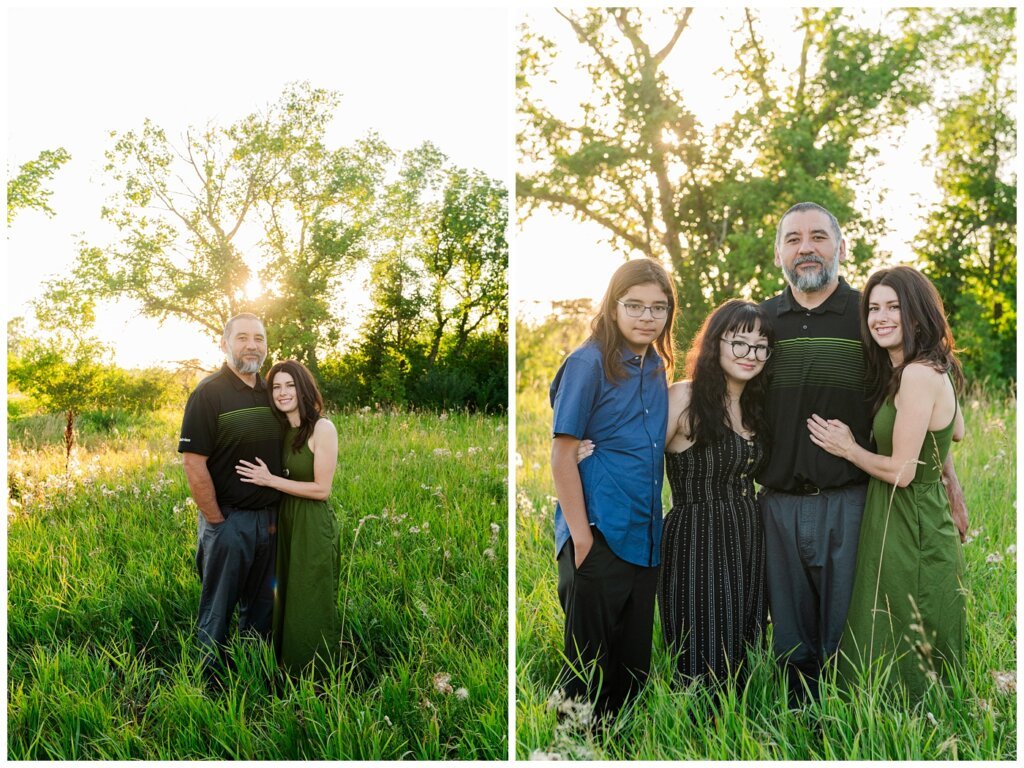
[927, 337]
[605, 331]
[311, 403]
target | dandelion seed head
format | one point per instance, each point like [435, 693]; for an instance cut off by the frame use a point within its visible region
[462, 694]
[442, 683]
[1006, 682]
[489, 554]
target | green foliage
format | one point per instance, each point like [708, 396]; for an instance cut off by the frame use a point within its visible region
[267, 175]
[102, 657]
[473, 376]
[969, 241]
[26, 190]
[63, 374]
[707, 199]
[433, 237]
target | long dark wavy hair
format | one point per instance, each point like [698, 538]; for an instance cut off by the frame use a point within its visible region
[707, 418]
[311, 403]
[927, 337]
[604, 331]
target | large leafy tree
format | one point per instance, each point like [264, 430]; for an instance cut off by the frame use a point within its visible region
[196, 217]
[26, 189]
[465, 260]
[969, 239]
[440, 267]
[706, 199]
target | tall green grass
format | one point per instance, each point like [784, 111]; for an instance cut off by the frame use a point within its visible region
[102, 656]
[974, 720]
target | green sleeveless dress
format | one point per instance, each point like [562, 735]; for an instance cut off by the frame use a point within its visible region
[306, 622]
[907, 594]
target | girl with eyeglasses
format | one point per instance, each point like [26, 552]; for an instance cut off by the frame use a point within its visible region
[711, 591]
[612, 390]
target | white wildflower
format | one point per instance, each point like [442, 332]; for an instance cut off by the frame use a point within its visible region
[1006, 682]
[489, 554]
[442, 682]
[994, 557]
[461, 693]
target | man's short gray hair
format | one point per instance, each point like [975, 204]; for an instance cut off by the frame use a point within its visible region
[240, 316]
[833, 221]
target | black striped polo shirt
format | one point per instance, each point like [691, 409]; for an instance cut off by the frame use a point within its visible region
[227, 420]
[817, 367]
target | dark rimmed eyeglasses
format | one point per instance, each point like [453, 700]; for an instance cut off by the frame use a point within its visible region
[636, 309]
[741, 349]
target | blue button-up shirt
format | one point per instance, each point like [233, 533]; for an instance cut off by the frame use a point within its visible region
[626, 420]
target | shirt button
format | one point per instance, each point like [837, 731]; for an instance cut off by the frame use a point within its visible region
[744, 493]
[805, 327]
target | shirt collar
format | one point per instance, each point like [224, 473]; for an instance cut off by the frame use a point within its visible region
[240, 385]
[837, 302]
[629, 356]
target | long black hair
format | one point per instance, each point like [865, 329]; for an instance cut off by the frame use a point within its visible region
[707, 418]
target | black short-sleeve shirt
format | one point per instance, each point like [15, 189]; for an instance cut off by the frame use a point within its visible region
[227, 420]
[817, 367]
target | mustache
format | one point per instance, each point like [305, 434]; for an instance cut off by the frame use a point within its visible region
[811, 258]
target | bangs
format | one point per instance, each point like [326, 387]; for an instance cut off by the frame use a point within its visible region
[746, 318]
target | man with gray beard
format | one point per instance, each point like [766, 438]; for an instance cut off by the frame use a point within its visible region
[228, 418]
[811, 501]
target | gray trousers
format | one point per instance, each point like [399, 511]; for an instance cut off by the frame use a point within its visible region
[235, 561]
[811, 548]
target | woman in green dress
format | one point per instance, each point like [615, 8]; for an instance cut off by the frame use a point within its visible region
[306, 624]
[908, 603]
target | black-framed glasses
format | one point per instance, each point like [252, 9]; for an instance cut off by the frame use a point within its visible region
[741, 349]
[636, 309]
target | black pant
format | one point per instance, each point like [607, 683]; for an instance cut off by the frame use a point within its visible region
[235, 561]
[609, 621]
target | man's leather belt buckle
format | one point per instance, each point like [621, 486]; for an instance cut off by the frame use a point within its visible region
[806, 489]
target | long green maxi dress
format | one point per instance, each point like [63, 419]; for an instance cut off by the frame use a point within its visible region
[907, 593]
[306, 620]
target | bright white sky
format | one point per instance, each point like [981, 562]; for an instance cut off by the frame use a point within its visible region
[75, 75]
[571, 255]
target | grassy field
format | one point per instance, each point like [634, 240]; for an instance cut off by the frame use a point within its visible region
[976, 720]
[102, 596]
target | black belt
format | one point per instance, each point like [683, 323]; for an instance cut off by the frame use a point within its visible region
[809, 489]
